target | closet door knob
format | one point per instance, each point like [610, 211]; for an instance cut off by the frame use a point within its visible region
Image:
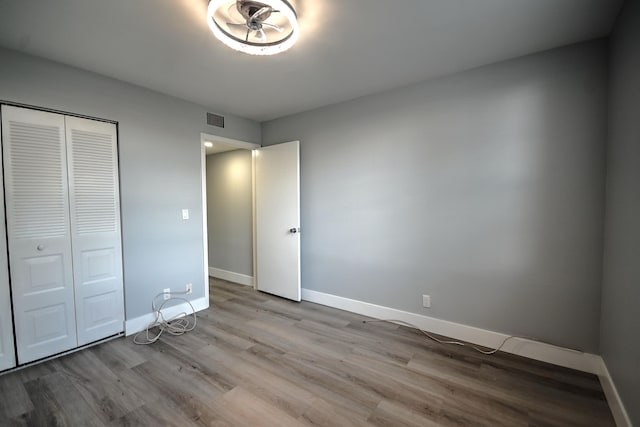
[40, 247]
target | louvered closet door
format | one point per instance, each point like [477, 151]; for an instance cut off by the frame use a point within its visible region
[7, 352]
[36, 189]
[95, 225]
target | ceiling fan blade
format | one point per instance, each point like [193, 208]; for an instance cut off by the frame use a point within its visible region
[275, 27]
[233, 24]
[262, 11]
[260, 35]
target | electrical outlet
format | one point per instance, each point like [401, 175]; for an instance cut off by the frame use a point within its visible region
[426, 301]
[189, 288]
[166, 293]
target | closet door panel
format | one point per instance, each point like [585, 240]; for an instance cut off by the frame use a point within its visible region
[95, 225]
[7, 353]
[38, 229]
[7, 350]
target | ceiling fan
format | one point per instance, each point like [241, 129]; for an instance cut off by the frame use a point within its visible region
[255, 14]
[242, 25]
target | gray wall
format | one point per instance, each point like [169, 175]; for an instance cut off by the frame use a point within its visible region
[229, 211]
[483, 189]
[160, 166]
[620, 327]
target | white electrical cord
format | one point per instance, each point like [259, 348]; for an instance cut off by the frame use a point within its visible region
[176, 325]
[460, 343]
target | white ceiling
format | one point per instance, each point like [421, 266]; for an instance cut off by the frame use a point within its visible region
[219, 148]
[347, 48]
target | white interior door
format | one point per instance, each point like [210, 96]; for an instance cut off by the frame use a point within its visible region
[277, 189]
[95, 225]
[35, 175]
[7, 351]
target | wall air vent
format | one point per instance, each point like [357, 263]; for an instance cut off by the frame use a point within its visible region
[215, 120]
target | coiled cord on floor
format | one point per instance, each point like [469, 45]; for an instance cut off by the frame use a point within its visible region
[175, 325]
[460, 343]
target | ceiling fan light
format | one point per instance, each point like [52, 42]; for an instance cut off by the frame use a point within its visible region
[255, 48]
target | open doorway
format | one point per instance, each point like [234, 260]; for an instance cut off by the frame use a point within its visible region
[251, 207]
[228, 220]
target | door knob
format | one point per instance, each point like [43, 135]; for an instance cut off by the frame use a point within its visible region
[294, 230]
[40, 247]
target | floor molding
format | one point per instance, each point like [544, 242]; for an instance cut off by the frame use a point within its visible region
[230, 276]
[560, 356]
[618, 410]
[138, 324]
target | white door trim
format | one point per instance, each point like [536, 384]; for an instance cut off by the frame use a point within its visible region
[204, 137]
[254, 242]
[205, 233]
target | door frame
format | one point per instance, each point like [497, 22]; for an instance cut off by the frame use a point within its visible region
[205, 137]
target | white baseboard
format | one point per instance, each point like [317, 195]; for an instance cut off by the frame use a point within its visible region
[620, 414]
[137, 324]
[531, 349]
[230, 276]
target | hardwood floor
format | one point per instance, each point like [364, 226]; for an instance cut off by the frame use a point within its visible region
[258, 360]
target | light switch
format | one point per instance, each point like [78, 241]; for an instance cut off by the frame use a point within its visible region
[185, 213]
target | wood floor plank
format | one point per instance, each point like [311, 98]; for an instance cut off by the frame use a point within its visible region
[118, 355]
[219, 337]
[243, 408]
[57, 402]
[270, 387]
[316, 381]
[326, 414]
[504, 392]
[301, 311]
[415, 395]
[100, 387]
[256, 359]
[36, 371]
[292, 339]
[155, 415]
[390, 413]
[193, 395]
[357, 342]
[14, 399]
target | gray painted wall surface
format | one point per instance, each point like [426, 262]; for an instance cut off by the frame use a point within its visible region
[229, 211]
[483, 189]
[160, 166]
[620, 327]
